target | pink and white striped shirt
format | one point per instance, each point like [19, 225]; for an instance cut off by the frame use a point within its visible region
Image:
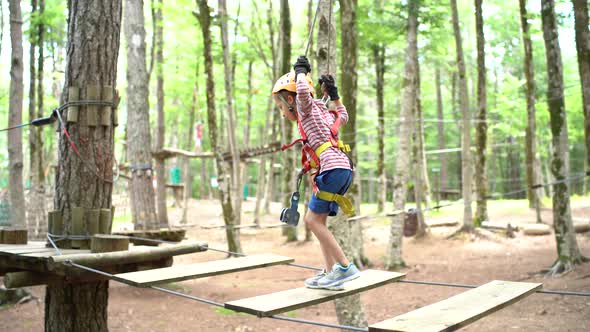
[316, 121]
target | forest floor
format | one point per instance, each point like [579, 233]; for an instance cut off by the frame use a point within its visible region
[465, 260]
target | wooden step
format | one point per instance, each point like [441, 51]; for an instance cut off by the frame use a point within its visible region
[200, 270]
[275, 303]
[459, 310]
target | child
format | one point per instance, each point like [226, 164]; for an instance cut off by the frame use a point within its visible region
[293, 94]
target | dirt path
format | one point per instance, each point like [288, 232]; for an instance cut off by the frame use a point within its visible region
[468, 261]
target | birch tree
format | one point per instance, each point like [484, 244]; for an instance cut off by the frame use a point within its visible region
[466, 173]
[481, 129]
[15, 110]
[394, 258]
[143, 205]
[568, 252]
[229, 215]
[532, 169]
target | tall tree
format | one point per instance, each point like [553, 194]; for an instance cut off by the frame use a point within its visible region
[379, 59]
[161, 122]
[233, 240]
[421, 183]
[289, 181]
[481, 128]
[231, 117]
[85, 180]
[190, 142]
[143, 205]
[531, 137]
[568, 253]
[394, 258]
[36, 214]
[440, 126]
[466, 123]
[15, 115]
[583, 48]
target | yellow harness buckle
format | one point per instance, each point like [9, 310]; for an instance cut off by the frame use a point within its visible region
[344, 203]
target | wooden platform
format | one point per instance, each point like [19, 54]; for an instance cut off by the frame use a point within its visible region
[275, 303]
[200, 270]
[459, 310]
[36, 257]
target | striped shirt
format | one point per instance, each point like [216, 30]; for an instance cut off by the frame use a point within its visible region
[316, 121]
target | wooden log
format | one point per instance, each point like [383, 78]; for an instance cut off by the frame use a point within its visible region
[106, 111]
[56, 221]
[78, 227]
[93, 221]
[104, 221]
[125, 257]
[12, 235]
[92, 93]
[536, 229]
[581, 226]
[27, 279]
[442, 223]
[73, 95]
[108, 243]
[5, 270]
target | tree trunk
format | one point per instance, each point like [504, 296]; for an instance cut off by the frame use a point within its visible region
[93, 29]
[531, 135]
[274, 116]
[190, 135]
[248, 126]
[421, 183]
[289, 181]
[466, 124]
[421, 153]
[379, 59]
[444, 181]
[36, 213]
[568, 252]
[235, 187]
[481, 177]
[15, 115]
[161, 122]
[583, 48]
[232, 234]
[402, 158]
[143, 205]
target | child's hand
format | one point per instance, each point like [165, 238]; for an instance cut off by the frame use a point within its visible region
[329, 86]
[302, 66]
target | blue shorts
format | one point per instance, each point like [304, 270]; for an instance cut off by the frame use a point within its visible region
[334, 181]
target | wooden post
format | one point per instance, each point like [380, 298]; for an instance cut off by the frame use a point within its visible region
[109, 243]
[56, 223]
[73, 95]
[107, 96]
[77, 226]
[105, 221]
[93, 221]
[92, 92]
[13, 235]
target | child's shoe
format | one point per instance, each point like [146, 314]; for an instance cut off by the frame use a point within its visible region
[338, 276]
[313, 281]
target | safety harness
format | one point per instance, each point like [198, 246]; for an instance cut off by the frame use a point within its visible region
[310, 158]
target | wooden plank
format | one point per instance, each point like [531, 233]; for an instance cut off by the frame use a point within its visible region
[200, 270]
[459, 310]
[275, 303]
[30, 245]
[27, 250]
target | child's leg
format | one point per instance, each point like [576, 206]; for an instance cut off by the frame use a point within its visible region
[330, 248]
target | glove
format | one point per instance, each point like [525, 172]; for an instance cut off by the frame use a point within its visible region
[302, 66]
[328, 85]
